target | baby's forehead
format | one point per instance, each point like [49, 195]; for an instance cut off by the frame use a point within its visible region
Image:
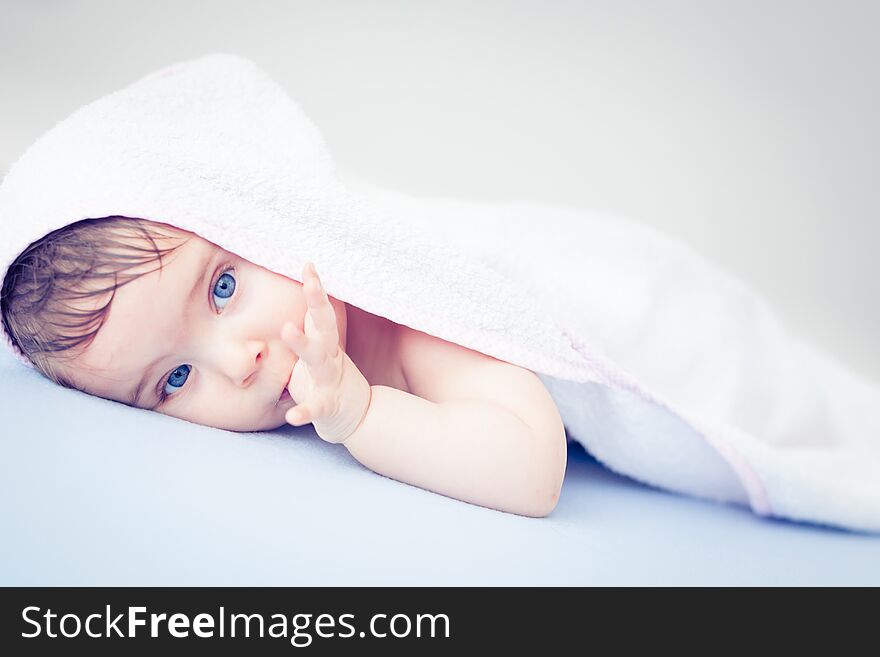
[184, 237]
[169, 230]
[167, 237]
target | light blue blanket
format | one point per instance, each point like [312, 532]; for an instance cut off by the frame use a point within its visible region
[93, 492]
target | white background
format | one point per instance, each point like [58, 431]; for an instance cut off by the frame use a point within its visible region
[749, 130]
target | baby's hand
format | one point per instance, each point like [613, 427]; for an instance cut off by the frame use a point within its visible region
[327, 386]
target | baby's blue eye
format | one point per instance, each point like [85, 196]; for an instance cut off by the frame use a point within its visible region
[226, 286]
[177, 378]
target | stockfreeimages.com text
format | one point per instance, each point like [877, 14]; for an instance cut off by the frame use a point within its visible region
[205, 625]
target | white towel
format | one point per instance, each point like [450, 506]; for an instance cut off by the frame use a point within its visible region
[664, 367]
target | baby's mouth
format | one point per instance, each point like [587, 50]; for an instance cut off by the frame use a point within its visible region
[285, 393]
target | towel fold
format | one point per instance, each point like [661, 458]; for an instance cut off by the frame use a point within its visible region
[666, 368]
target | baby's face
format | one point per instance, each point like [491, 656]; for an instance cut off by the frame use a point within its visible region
[217, 355]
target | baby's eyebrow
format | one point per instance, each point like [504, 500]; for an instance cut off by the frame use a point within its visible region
[200, 273]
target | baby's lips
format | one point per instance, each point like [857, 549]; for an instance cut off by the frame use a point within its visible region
[288, 386]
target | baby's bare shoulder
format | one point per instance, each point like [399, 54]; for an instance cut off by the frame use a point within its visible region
[441, 371]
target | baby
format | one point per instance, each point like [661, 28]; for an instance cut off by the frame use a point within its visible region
[214, 339]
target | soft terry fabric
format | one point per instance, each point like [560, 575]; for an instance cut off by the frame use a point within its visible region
[664, 367]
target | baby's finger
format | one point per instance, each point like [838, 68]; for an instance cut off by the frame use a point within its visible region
[311, 351]
[298, 415]
[307, 412]
[323, 315]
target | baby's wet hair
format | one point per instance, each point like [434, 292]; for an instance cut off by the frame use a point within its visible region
[87, 259]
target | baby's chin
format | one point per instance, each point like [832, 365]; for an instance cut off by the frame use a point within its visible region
[273, 421]
[275, 425]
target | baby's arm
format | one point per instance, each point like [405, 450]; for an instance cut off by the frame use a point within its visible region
[470, 426]
[474, 428]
